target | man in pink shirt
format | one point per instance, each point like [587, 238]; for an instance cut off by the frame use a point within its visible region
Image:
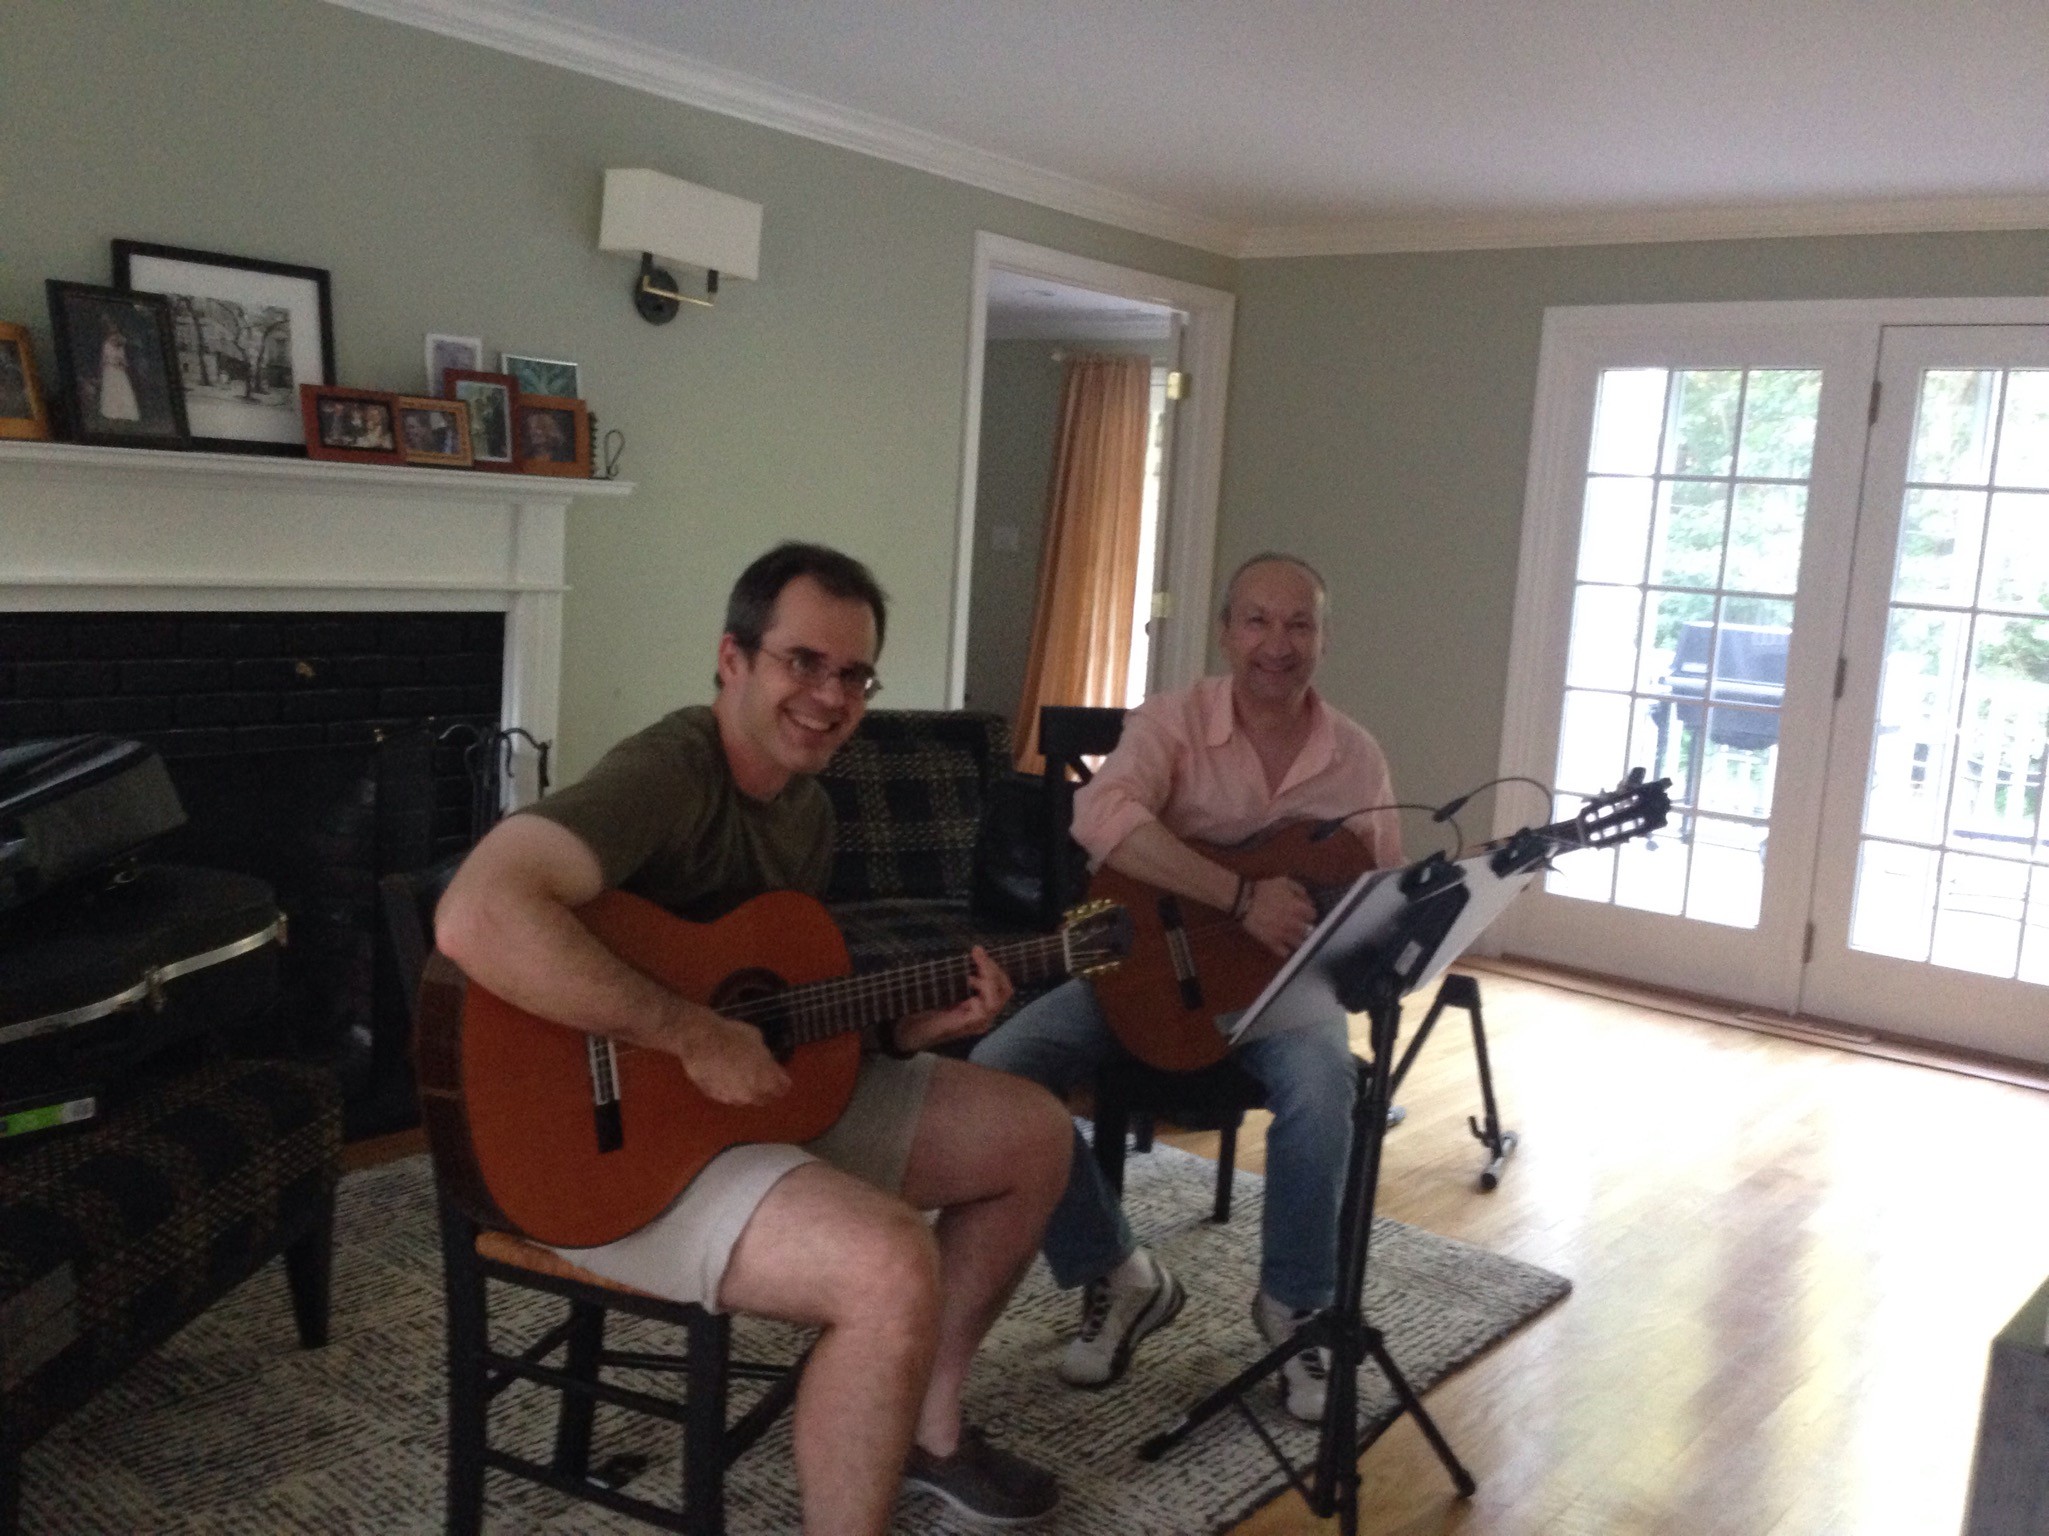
[1217, 763]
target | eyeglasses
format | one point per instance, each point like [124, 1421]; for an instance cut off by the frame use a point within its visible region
[811, 670]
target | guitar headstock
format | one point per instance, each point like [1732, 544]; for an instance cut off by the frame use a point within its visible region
[1632, 808]
[1097, 935]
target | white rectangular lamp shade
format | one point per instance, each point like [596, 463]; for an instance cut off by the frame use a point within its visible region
[679, 220]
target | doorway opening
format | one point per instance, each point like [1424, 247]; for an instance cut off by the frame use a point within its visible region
[1040, 318]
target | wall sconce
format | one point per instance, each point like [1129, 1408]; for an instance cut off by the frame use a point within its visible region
[657, 215]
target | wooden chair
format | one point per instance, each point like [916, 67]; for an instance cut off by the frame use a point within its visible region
[474, 1257]
[1129, 1094]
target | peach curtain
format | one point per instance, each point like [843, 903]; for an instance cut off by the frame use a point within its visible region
[1088, 555]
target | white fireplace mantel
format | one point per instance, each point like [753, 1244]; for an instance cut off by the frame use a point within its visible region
[130, 529]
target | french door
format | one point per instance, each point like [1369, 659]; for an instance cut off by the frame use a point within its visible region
[1822, 610]
[1931, 908]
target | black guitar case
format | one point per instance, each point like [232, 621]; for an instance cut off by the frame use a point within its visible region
[73, 806]
[96, 981]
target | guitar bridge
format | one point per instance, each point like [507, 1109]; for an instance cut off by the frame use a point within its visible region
[1180, 953]
[604, 1063]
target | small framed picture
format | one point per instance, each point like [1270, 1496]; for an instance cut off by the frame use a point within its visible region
[542, 375]
[117, 370]
[22, 411]
[490, 398]
[554, 435]
[355, 426]
[248, 333]
[446, 352]
[433, 431]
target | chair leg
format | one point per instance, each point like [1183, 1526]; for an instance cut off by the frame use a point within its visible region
[1227, 1165]
[704, 1429]
[573, 1425]
[1113, 1120]
[309, 1270]
[467, 1337]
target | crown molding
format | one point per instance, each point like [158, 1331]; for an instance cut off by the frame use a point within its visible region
[1493, 232]
[574, 46]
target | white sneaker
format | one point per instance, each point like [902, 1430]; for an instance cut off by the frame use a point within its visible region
[1113, 1319]
[1305, 1376]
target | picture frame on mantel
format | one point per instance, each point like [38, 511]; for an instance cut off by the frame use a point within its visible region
[350, 426]
[554, 435]
[248, 333]
[117, 369]
[24, 414]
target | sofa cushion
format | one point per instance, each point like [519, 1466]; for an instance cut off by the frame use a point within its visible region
[907, 795]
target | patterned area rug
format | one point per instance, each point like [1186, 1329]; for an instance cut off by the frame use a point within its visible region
[232, 1430]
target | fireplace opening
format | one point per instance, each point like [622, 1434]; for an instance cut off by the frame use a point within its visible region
[319, 752]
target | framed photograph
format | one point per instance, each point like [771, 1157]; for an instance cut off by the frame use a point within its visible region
[248, 334]
[434, 431]
[542, 375]
[490, 398]
[446, 352]
[355, 426]
[22, 411]
[554, 433]
[117, 370]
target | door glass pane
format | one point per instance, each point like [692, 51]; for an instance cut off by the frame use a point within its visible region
[1603, 636]
[1682, 618]
[1701, 439]
[2017, 552]
[1616, 528]
[1764, 538]
[2024, 431]
[1940, 532]
[1953, 429]
[1780, 408]
[1686, 542]
[1950, 870]
[1895, 899]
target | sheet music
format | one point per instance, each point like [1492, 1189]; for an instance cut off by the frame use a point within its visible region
[1306, 987]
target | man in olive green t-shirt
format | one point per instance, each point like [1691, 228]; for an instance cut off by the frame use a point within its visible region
[698, 812]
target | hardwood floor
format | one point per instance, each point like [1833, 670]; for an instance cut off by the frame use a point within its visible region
[1788, 1264]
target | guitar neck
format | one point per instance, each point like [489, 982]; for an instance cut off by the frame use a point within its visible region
[821, 1009]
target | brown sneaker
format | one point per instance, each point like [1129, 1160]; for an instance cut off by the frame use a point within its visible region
[987, 1485]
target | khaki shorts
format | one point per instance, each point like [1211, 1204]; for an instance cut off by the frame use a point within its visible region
[682, 1253]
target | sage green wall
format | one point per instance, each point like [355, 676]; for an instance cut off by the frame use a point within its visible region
[1380, 424]
[1020, 419]
[452, 188]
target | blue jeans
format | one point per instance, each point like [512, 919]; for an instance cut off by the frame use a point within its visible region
[1060, 1040]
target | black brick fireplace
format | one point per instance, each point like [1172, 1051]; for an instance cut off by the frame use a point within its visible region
[319, 751]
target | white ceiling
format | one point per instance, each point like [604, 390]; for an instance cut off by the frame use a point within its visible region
[1269, 127]
[1024, 307]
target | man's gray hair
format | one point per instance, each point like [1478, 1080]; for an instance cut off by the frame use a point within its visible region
[1276, 557]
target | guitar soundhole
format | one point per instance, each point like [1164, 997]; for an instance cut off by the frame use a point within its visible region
[753, 995]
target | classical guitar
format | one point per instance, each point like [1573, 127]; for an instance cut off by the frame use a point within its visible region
[573, 1139]
[1190, 962]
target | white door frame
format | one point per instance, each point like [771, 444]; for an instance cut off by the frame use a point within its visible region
[1194, 482]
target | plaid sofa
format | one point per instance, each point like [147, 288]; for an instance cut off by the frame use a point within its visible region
[927, 806]
[114, 1236]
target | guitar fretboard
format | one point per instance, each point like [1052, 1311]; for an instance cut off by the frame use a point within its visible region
[820, 1009]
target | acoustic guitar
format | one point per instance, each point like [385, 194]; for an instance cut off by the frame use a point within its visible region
[1190, 962]
[573, 1139]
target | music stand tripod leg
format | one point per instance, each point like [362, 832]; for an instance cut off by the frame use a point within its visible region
[1339, 1446]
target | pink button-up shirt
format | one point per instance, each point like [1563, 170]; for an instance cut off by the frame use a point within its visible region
[1183, 762]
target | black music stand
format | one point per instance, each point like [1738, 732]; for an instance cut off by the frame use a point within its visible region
[1392, 932]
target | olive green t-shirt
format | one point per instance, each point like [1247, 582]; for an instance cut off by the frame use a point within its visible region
[667, 822]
